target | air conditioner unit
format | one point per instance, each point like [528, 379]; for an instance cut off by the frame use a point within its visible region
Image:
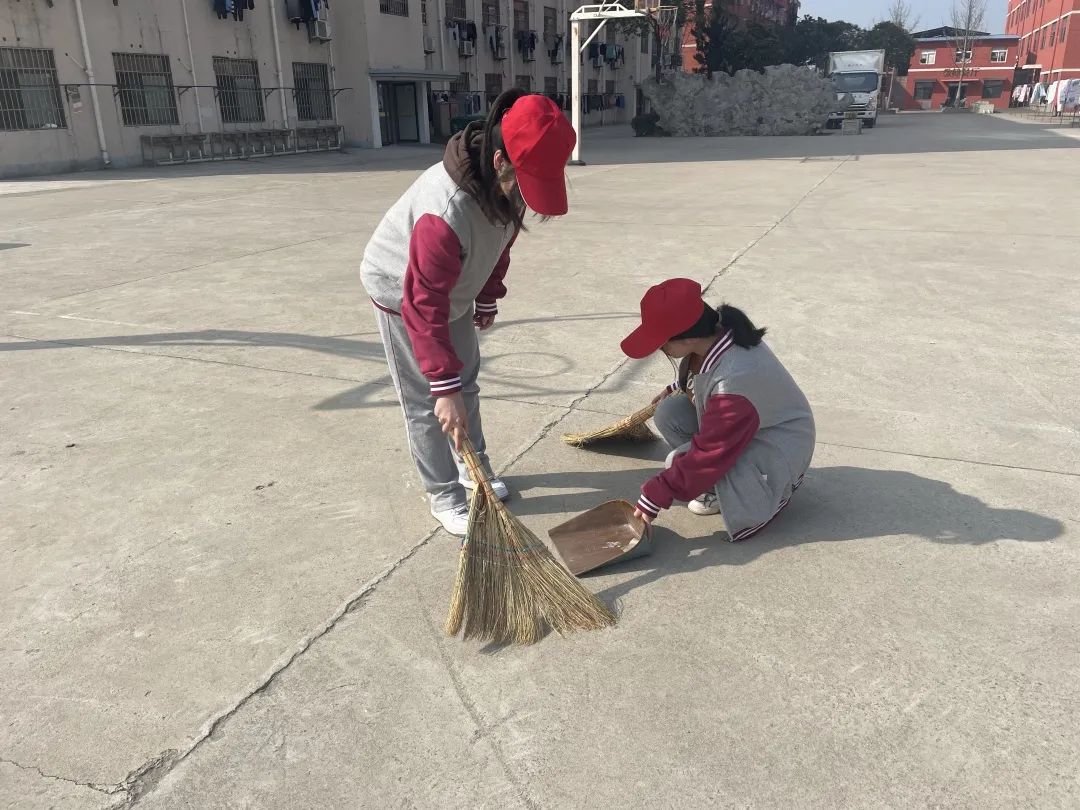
[319, 30]
[466, 48]
[597, 62]
[429, 44]
[557, 56]
[499, 53]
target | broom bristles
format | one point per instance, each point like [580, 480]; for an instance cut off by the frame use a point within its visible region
[510, 587]
[631, 429]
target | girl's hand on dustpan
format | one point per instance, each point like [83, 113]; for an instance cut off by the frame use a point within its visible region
[450, 411]
[644, 516]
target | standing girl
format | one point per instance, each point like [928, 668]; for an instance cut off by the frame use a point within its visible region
[434, 269]
[744, 436]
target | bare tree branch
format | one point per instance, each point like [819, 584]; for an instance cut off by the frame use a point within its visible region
[967, 18]
[901, 14]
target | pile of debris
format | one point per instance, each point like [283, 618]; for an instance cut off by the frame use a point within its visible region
[784, 100]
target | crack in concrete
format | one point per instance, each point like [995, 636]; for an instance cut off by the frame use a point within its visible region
[148, 776]
[107, 790]
[483, 728]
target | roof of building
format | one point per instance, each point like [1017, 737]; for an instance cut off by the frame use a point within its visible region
[981, 38]
[946, 31]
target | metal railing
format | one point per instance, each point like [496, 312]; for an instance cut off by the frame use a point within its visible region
[456, 10]
[239, 92]
[29, 90]
[311, 92]
[144, 88]
[399, 8]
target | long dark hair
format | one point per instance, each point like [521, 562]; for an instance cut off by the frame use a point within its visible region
[499, 209]
[713, 322]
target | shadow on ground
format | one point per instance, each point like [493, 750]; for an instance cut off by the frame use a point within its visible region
[835, 504]
[362, 346]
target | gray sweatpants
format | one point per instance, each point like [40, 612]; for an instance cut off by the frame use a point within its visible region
[437, 462]
[677, 420]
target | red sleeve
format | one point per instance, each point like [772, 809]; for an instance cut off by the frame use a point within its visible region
[494, 289]
[727, 427]
[434, 268]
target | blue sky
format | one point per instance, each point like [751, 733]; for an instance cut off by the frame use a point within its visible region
[933, 12]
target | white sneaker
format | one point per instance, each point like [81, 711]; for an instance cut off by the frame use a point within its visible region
[455, 519]
[707, 504]
[497, 486]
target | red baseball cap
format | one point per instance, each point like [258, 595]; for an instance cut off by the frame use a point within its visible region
[539, 141]
[667, 310]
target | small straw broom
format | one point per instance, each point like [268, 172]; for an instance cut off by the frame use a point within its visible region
[631, 429]
[510, 587]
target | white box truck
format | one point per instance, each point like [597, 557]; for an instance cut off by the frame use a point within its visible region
[857, 74]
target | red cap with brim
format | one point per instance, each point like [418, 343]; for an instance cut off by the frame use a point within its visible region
[667, 310]
[539, 141]
[544, 195]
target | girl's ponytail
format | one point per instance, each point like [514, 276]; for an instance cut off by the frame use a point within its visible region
[743, 331]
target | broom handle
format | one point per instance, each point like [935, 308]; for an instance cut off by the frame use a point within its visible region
[476, 470]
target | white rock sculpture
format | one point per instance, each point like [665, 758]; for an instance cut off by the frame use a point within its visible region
[784, 100]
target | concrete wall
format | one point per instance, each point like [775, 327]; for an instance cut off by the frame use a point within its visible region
[364, 41]
[152, 27]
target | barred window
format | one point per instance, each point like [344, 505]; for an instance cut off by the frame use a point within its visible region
[462, 84]
[455, 10]
[521, 15]
[399, 8]
[551, 85]
[145, 88]
[29, 92]
[493, 83]
[311, 83]
[550, 17]
[240, 95]
[491, 12]
[523, 83]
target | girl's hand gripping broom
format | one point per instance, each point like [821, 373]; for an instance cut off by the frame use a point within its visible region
[510, 587]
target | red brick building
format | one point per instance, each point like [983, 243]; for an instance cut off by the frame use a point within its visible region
[937, 66]
[1049, 32]
[764, 12]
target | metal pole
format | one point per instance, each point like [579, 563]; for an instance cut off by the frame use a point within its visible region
[575, 90]
[272, 11]
[191, 65]
[93, 84]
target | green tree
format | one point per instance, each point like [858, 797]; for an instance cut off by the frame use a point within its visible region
[726, 45]
[898, 44]
[812, 39]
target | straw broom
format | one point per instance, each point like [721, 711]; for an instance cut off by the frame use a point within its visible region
[631, 429]
[510, 587]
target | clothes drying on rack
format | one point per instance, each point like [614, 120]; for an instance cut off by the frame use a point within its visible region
[232, 8]
[526, 44]
[304, 11]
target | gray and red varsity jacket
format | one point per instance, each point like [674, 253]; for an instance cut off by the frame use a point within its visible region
[755, 440]
[435, 257]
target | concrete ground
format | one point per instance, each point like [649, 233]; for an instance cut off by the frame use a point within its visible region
[221, 587]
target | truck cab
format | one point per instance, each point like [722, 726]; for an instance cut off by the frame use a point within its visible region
[857, 77]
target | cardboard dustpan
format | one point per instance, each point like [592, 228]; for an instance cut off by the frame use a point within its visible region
[605, 534]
